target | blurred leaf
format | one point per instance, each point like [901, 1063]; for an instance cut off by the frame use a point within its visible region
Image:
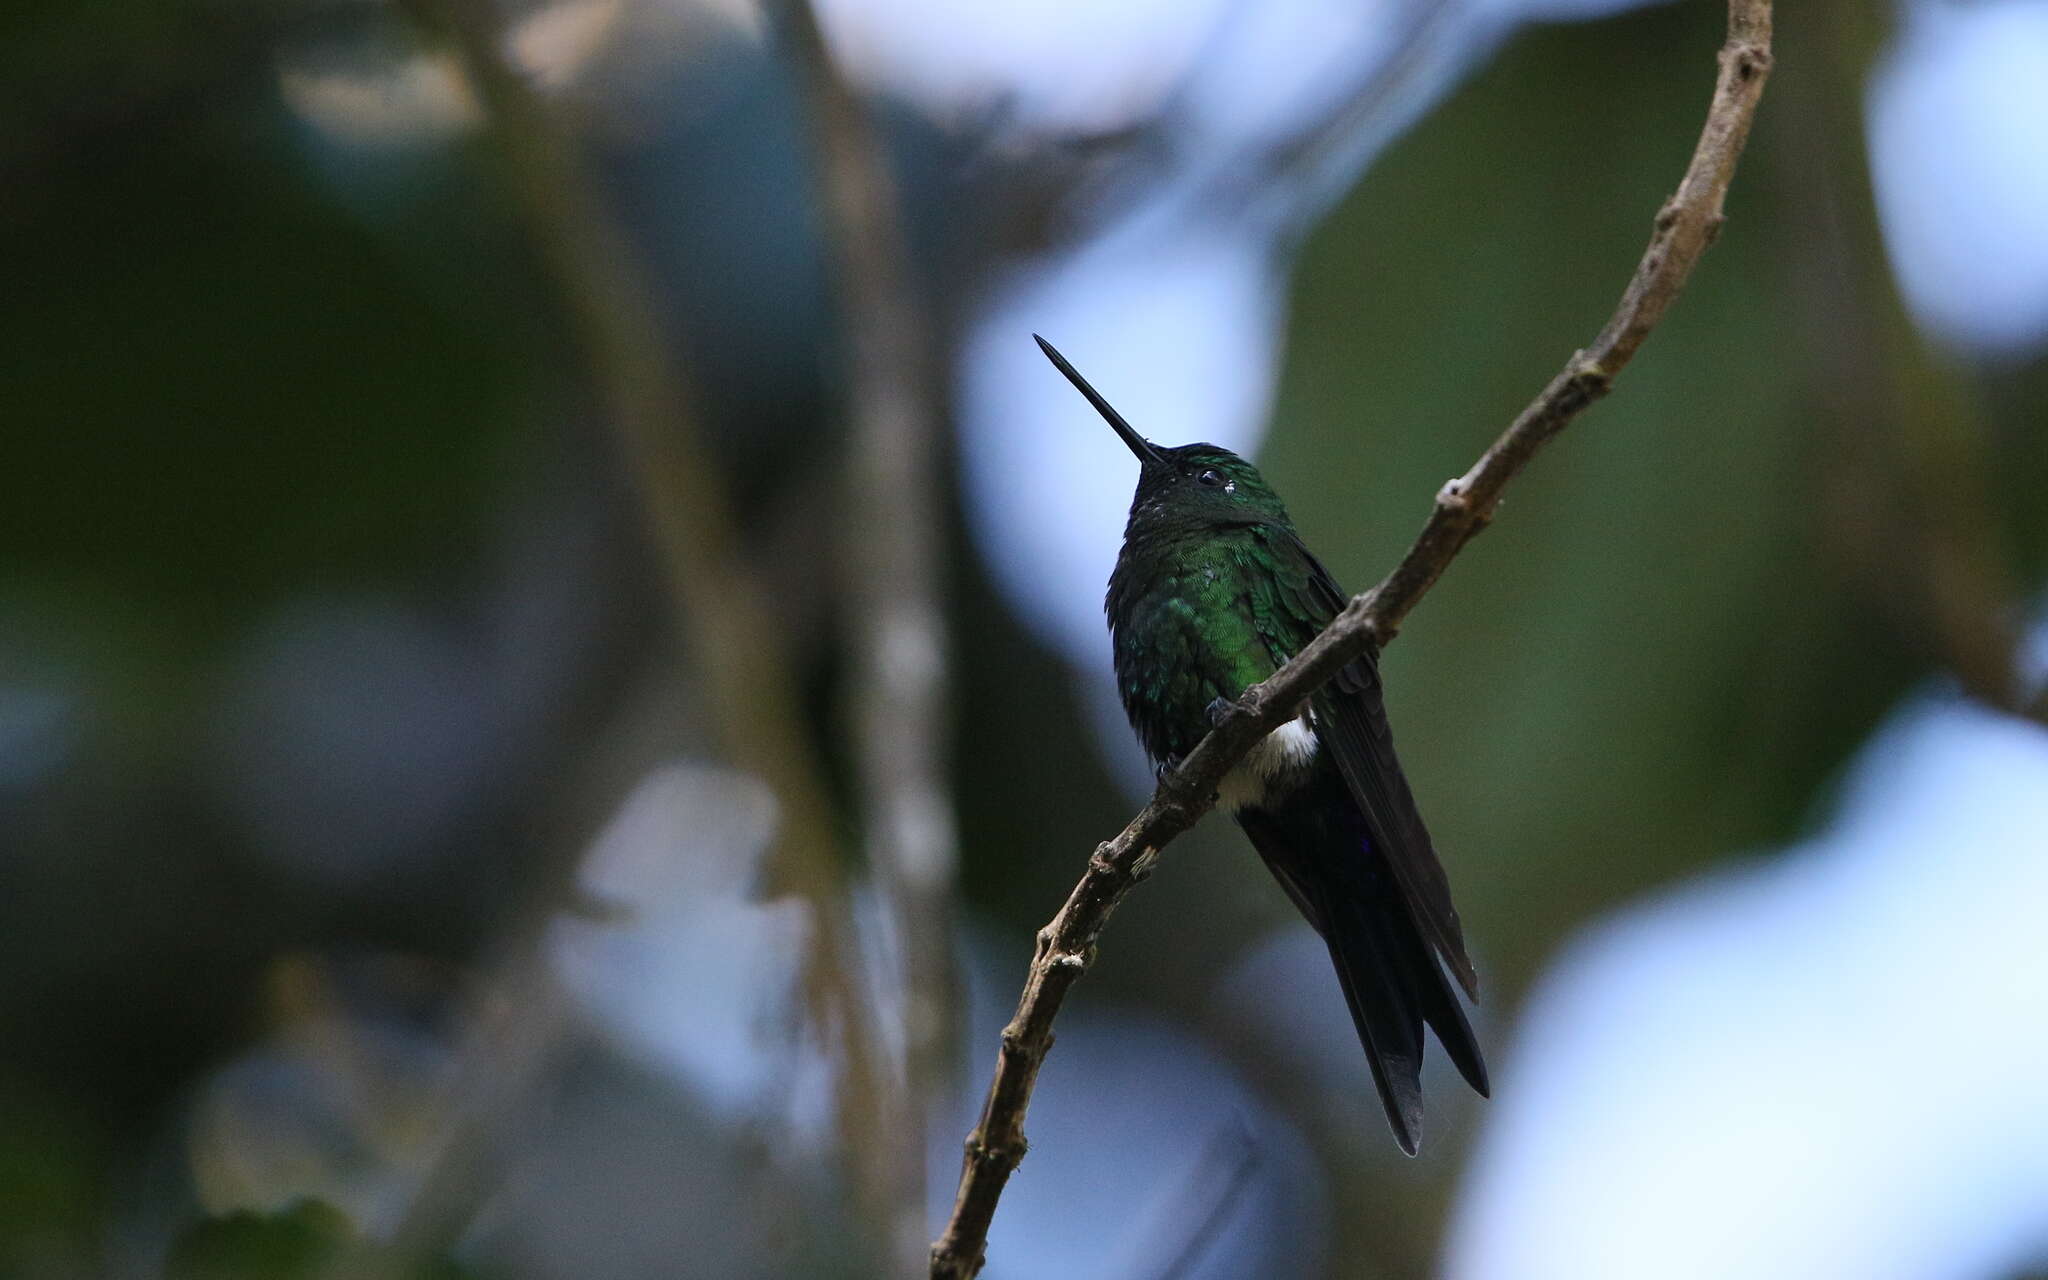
[310, 1239]
[51, 1155]
[246, 1245]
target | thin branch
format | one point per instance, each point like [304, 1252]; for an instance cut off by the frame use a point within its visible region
[893, 565]
[745, 676]
[1684, 227]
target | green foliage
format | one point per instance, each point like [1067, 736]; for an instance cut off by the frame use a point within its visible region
[309, 1240]
[51, 1153]
[1651, 660]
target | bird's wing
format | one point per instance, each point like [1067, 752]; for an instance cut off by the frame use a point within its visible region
[1350, 720]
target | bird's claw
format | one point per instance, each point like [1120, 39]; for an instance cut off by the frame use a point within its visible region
[1219, 711]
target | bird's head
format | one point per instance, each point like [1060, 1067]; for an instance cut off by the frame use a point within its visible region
[1182, 487]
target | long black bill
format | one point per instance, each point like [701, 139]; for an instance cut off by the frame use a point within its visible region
[1138, 444]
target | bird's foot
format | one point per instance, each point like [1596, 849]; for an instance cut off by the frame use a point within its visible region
[1219, 711]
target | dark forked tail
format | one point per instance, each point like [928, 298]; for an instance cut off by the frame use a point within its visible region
[1389, 972]
[1393, 984]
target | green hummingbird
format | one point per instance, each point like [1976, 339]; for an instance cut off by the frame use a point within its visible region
[1212, 592]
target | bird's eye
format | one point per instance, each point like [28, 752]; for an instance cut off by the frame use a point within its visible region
[1212, 477]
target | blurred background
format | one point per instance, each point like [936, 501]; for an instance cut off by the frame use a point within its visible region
[551, 656]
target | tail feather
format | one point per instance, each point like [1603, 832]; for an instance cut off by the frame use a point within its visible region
[1392, 979]
[1386, 1014]
[1401, 957]
[1446, 1016]
[1393, 985]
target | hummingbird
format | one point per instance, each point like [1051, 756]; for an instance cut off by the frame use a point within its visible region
[1214, 590]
